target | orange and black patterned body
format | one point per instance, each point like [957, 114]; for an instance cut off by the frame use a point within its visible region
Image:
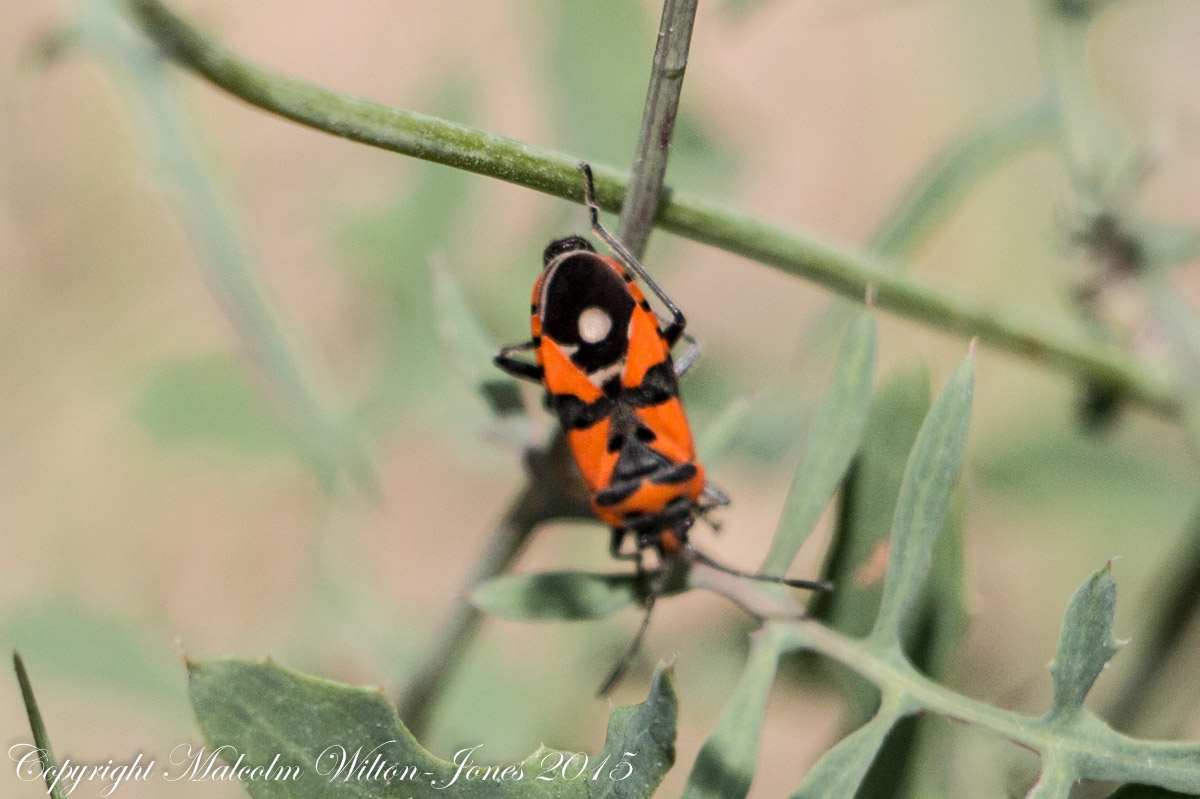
[609, 378]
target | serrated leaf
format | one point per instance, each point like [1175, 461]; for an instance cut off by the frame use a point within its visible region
[840, 771]
[832, 441]
[1086, 642]
[557, 596]
[929, 477]
[724, 767]
[265, 713]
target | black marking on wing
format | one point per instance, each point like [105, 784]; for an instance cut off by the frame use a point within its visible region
[658, 386]
[617, 494]
[581, 280]
[637, 461]
[576, 414]
[676, 474]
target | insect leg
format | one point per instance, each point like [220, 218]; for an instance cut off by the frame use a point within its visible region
[656, 589]
[614, 547]
[515, 366]
[678, 321]
[689, 357]
[811, 585]
[713, 496]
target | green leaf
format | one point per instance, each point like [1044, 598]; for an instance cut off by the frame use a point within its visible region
[211, 400]
[840, 771]
[857, 555]
[869, 502]
[1086, 643]
[470, 347]
[924, 499]
[556, 596]
[914, 757]
[101, 652]
[719, 434]
[598, 125]
[836, 431]
[912, 762]
[934, 640]
[262, 711]
[724, 767]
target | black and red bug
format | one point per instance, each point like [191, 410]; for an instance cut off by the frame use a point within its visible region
[604, 358]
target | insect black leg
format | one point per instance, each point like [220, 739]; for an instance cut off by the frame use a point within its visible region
[678, 321]
[614, 546]
[652, 595]
[515, 366]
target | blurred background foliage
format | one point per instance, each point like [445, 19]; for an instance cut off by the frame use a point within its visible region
[300, 466]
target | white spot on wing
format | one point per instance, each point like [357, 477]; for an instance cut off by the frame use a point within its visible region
[594, 324]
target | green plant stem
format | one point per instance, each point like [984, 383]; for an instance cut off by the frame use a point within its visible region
[847, 273]
[642, 198]
[1054, 781]
[40, 739]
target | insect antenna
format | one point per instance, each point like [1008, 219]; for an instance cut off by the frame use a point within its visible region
[622, 666]
[811, 585]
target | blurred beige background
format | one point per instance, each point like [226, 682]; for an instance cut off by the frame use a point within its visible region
[154, 499]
